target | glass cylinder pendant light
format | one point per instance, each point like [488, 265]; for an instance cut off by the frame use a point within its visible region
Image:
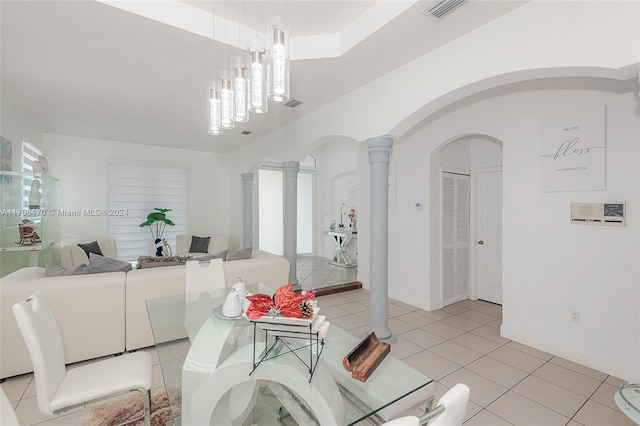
[215, 124]
[279, 60]
[240, 89]
[226, 101]
[258, 80]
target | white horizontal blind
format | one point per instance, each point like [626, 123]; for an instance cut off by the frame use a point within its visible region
[134, 189]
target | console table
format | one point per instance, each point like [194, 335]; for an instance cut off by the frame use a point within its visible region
[342, 240]
[210, 357]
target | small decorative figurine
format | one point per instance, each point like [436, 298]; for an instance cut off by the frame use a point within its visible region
[28, 234]
[332, 227]
[34, 195]
[352, 216]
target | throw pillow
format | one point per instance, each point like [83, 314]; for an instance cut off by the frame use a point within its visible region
[59, 271]
[99, 264]
[91, 248]
[244, 253]
[199, 244]
[222, 255]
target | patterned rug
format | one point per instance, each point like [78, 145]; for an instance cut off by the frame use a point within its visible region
[117, 411]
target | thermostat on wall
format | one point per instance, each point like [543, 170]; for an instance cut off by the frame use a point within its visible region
[598, 213]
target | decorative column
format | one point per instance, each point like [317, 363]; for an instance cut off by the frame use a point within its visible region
[291, 218]
[247, 209]
[379, 149]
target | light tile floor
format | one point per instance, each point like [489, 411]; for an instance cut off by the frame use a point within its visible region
[511, 384]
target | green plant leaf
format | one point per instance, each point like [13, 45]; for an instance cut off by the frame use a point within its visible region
[156, 216]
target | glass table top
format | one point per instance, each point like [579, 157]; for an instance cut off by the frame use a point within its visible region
[194, 341]
[628, 400]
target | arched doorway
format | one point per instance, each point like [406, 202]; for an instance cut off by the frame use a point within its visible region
[467, 175]
[330, 195]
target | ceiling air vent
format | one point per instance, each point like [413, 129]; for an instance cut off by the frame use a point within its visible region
[293, 103]
[443, 8]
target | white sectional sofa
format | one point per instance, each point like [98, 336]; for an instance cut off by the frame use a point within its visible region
[166, 281]
[103, 314]
[90, 310]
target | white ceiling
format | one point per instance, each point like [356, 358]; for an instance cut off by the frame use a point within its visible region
[86, 68]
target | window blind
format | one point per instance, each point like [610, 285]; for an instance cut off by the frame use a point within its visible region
[135, 189]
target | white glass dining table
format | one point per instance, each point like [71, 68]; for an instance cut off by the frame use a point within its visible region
[627, 398]
[211, 377]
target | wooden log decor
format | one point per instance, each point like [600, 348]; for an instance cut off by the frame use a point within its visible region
[365, 357]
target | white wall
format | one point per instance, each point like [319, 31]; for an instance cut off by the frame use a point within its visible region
[535, 41]
[550, 266]
[270, 207]
[17, 125]
[80, 164]
[521, 45]
[485, 153]
[456, 155]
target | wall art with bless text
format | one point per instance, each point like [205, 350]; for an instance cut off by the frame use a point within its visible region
[572, 151]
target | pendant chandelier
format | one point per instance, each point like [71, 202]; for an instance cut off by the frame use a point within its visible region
[250, 79]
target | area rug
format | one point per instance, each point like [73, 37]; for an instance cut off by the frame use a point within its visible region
[119, 410]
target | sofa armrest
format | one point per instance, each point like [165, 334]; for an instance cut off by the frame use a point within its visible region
[72, 255]
[89, 310]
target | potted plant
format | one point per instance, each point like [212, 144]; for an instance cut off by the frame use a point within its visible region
[159, 218]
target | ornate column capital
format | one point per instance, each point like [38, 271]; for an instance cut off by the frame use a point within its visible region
[291, 166]
[379, 149]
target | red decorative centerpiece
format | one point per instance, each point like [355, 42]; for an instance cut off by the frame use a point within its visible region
[285, 302]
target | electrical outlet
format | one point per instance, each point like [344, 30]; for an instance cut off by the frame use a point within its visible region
[574, 315]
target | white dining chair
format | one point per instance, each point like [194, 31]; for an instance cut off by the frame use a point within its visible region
[59, 389]
[7, 414]
[450, 411]
[204, 276]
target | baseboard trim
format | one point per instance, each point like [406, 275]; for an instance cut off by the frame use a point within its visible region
[338, 288]
[626, 372]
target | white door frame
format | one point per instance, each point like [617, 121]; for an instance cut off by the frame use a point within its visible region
[473, 237]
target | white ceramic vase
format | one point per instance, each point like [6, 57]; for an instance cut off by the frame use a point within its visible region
[232, 306]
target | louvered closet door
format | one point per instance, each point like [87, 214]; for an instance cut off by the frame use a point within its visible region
[455, 237]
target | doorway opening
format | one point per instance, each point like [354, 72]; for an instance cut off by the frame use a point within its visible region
[467, 175]
[271, 208]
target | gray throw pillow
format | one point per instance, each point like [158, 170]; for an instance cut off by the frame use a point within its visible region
[91, 248]
[244, 253]
[99, 264]
[222, 255]
[59, 271]
[199, 244]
